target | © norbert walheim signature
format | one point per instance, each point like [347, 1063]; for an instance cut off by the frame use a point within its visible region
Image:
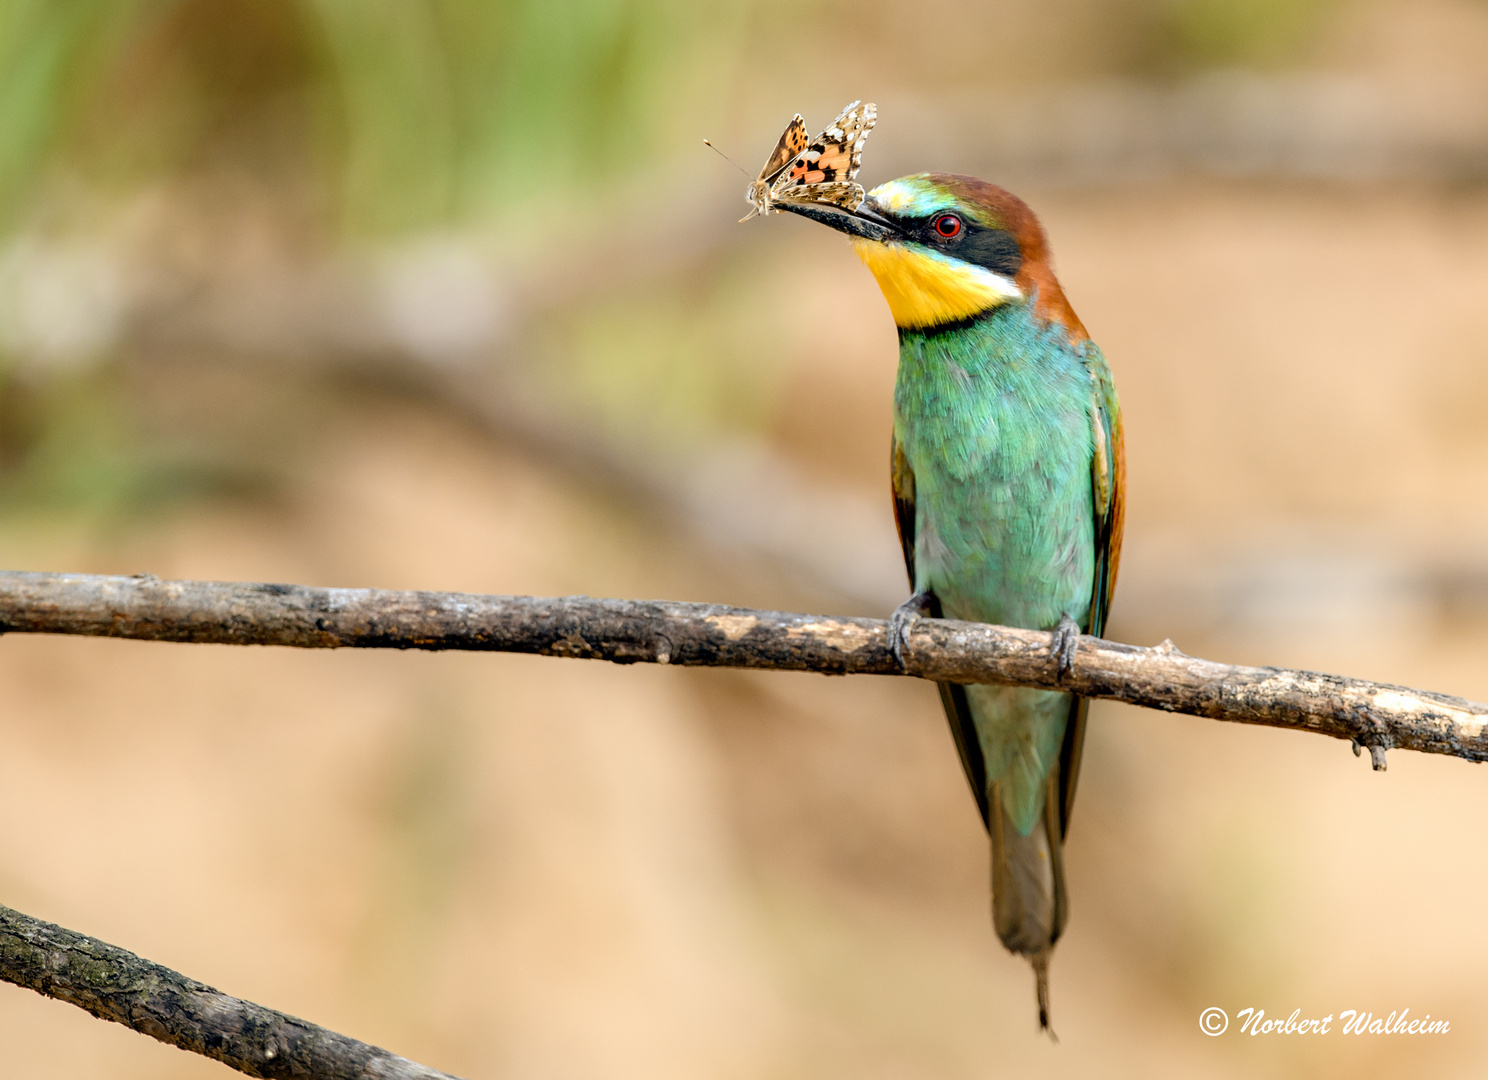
[1253, 1021]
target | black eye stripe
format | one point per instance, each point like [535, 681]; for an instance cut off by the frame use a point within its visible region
[976, 243]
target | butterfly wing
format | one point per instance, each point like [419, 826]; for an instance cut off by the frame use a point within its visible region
[792, 141]
[833, 157]
[841, 194]
[819, 170]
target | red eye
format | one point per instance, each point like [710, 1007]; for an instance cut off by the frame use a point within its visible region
[947, 226]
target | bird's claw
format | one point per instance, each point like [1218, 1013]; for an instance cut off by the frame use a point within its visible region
[1066, 641]
[902, 622]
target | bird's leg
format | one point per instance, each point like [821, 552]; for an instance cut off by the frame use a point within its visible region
[903, 620]
[1066, 641]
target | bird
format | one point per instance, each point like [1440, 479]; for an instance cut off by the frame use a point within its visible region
[1008, 471]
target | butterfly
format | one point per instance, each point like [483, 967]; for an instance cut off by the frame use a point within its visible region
[818, 170]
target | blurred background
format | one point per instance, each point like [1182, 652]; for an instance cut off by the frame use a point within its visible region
[449, 295]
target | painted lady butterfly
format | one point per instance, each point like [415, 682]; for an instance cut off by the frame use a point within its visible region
[820, 171]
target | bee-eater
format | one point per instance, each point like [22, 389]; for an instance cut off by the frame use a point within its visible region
[1007, 471]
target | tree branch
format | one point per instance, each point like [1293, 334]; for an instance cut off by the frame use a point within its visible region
[114, 984]
[1370, 714]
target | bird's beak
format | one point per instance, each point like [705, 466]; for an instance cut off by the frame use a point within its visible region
[866, 221]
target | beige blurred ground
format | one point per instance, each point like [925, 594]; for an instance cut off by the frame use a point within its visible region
[524, 867]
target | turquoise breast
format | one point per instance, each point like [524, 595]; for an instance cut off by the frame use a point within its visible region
[995, 420]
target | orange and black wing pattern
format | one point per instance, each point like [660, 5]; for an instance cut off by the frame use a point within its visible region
[792, 141]
[819, 170]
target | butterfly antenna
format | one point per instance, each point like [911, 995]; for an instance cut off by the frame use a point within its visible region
[725, 157]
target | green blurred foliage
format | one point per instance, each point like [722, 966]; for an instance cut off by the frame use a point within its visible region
[671, 368]
[411, 112]
[74, 445]
[360, 120]
[1183, 36]
[50, 54]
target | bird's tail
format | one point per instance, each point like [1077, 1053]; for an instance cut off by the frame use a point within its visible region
[1029, 899]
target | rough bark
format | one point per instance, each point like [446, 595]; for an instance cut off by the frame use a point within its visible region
[114, 984]
[1375, 715]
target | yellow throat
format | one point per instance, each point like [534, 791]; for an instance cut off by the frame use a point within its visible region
[925, 289]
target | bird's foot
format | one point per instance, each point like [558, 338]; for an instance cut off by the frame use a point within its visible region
[903, 620]
[1066, 641]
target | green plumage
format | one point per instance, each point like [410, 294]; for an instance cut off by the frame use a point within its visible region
[994, 420]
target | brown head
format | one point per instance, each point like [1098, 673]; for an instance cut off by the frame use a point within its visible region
[946, 249]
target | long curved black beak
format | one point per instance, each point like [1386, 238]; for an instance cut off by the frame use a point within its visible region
[865, 221]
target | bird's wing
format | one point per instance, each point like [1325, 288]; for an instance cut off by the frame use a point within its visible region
[1108, 473]
[952, 697]
[902, 478]
[1108, 485]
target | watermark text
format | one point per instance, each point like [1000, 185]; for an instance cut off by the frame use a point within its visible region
[1215, 1021]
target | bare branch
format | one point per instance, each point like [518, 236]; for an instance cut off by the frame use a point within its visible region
[1373, 715]
[114, 984]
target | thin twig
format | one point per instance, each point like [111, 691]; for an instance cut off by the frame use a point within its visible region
[1374, 715]
[114, 984]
